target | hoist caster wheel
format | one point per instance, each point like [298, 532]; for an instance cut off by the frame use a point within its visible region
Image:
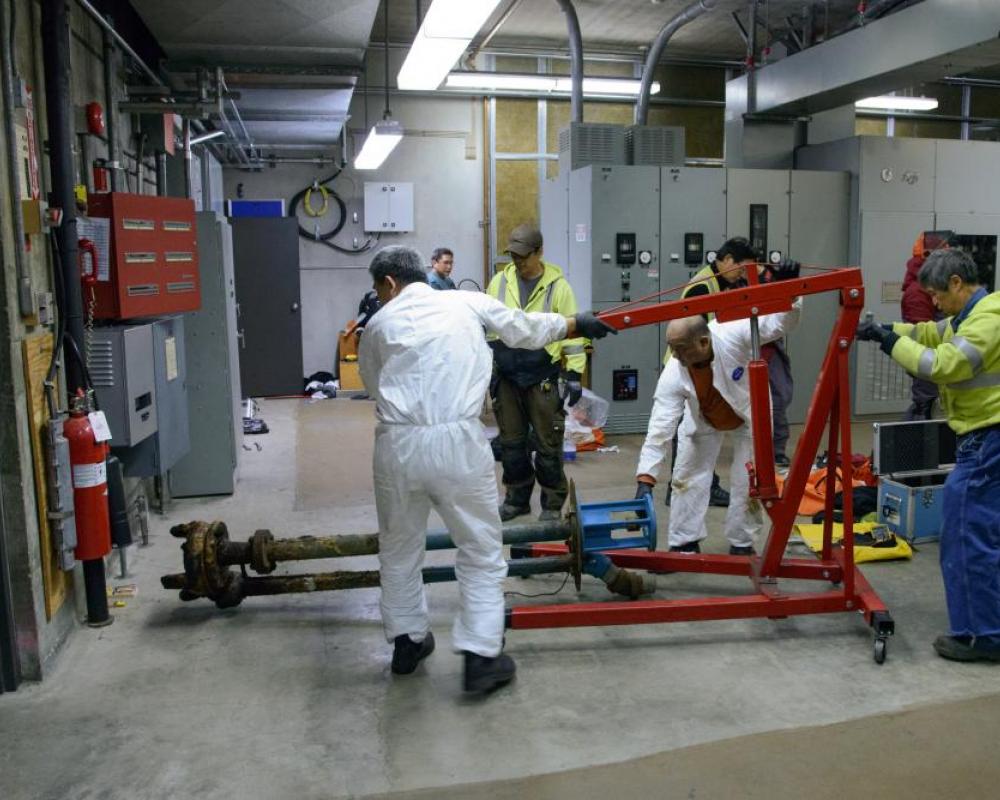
[880, 649]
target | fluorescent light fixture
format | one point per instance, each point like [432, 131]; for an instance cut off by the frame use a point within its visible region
[206, 136]
[552, 84]
[891, 102]
[382, 140]
[445, 33]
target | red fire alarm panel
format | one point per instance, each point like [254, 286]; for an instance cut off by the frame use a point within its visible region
[151, 266]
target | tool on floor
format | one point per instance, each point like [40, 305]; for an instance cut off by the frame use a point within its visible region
[589, 530]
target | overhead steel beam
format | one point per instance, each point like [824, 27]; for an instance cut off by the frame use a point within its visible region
[925, 42]
[287, 115]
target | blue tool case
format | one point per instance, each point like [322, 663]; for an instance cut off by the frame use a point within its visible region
[912, 460]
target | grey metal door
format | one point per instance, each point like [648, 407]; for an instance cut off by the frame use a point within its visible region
[266, 257]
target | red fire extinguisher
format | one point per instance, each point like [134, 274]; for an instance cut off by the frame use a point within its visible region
[88, 459]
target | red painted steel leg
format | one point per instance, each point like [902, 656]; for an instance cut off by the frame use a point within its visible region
[763, 437]
[831, 478]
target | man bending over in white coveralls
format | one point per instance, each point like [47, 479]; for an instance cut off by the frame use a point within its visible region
[425, 361]
[708, 373]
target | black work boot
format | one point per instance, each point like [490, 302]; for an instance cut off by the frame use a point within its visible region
[741, 550]
[964, 648]
[484, 674]
[408, 653]
[509, 511]
[550, 515]
[687, 547]
[718, 497]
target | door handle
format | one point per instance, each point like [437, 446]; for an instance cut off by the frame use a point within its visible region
[295, 307]
[243, 344]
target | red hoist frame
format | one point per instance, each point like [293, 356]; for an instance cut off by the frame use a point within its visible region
[847, 588]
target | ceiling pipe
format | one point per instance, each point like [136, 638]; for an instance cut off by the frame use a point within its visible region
[576, 60]
[679, 20]
[477, 46]
[121, 41]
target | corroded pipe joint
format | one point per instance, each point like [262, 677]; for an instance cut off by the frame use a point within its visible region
[261, 556]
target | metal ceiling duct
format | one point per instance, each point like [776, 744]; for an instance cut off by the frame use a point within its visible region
[576, 59]
[922, 43]
[656, 49]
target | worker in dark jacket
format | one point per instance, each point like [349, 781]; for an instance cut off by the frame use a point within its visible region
[917, 306]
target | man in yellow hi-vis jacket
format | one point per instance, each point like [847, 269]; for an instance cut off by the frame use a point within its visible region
[961, 354]
[525, 386]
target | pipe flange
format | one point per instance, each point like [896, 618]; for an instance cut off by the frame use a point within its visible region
[575, 540]
[261, 560]
[204, 575]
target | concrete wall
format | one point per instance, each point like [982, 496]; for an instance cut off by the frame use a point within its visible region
[38, 637]
[441, 154]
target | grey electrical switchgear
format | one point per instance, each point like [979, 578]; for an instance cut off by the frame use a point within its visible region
[211, 465]
[158, 453]
[121, 368]
[614, 249]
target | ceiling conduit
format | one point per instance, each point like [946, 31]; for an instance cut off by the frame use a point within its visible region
[656, 49]
[576, 60]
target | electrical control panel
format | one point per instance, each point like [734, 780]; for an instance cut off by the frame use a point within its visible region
[694, 249]
[141, 262]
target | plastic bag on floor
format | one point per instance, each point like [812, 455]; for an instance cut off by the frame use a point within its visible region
[585, 421]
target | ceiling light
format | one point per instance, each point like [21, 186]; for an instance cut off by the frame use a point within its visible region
[552, 84]
[381, 140]
[206, 136]
[444, 34]
[891, 102]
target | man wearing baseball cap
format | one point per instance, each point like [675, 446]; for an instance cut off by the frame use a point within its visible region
[525, 385]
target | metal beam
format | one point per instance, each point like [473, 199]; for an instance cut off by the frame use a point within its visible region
[925, 42]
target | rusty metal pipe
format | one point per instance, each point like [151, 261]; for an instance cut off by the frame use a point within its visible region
[305, 548]
[363, 579]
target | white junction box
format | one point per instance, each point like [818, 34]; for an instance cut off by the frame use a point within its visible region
[388, 207]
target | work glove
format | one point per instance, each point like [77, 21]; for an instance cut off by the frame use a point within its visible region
[573, 390]
[590, 327]
[871, 331]
[642, 489]
[785, 269]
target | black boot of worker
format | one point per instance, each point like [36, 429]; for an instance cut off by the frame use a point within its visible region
[408, 653]
[484, 674]
[718, 497]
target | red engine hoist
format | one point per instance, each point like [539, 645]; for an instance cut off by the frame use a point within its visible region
[848, 589]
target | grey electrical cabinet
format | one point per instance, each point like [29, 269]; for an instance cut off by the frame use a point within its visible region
[216, 429]
[121, 368]
[899, 189]
[614, 258]
[156, 454]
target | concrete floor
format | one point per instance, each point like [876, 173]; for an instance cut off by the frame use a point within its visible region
[292, 697]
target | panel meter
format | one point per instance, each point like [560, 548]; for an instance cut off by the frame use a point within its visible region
[694, 248]
[625, 248]
[758, 229]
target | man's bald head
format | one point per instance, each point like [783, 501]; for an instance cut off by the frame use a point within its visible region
[690, 340]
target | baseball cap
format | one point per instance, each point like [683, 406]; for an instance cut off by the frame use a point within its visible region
[524, 240]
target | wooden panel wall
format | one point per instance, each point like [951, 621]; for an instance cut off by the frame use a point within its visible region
[37, 355]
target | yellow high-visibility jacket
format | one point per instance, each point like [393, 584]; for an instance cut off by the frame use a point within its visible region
[552, 294]
[964, 363]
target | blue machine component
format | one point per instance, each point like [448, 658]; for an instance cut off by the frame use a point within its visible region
[618, 525]
[597, 564]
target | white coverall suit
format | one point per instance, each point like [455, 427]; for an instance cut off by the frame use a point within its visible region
[425, 361]
[698, 443]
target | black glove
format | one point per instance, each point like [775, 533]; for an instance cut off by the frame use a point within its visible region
[871, 331]
[590, 327]
[785, 269]
[642, 489]
[574, 389]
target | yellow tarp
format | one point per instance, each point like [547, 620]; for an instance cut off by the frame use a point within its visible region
[812, 535]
